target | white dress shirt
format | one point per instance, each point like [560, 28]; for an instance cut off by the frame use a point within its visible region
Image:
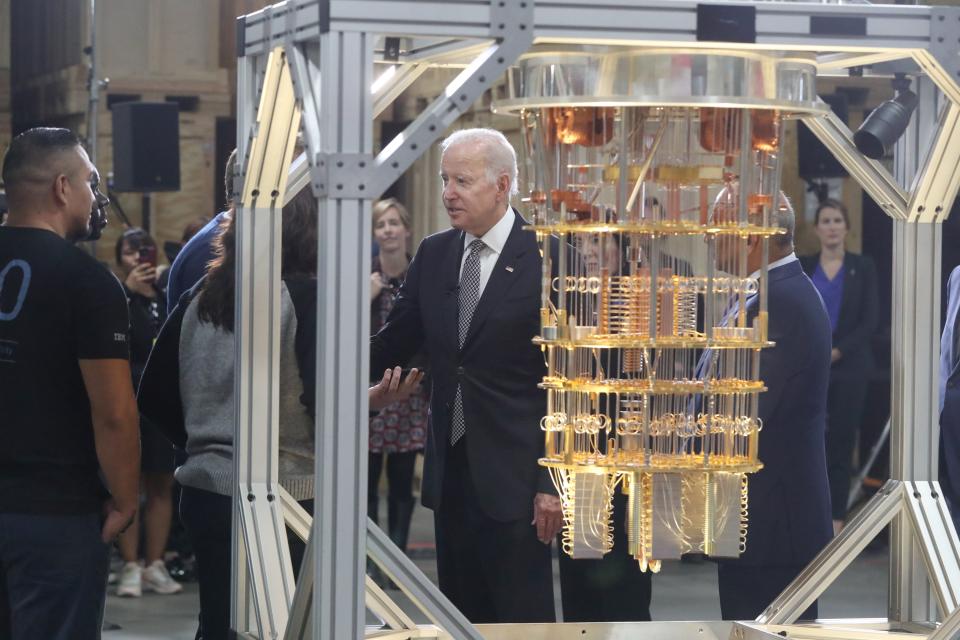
[776, 263]
[494, 239]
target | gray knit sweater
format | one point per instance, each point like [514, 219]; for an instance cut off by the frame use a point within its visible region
[207, 364]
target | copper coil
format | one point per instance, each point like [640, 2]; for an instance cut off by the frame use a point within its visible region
[720, 129]
[583, 126]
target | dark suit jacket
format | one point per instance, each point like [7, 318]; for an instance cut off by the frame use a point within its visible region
[949, 447]
[789, 519]
[498, 368]
[858, 314]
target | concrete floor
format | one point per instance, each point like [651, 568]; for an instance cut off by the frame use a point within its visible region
[680, 592]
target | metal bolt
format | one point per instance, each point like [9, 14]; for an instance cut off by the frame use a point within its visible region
[362, 164]
[339, 187]
[250, 497]
[339, 164]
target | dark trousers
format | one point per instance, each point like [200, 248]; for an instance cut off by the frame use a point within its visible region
[53, 577]
[492, 571]
[208, 519]
[746, 590]
[844, 409]
[400, 503]
[612, 589]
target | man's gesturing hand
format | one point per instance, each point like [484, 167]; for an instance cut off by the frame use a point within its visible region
[391, 389]
[547, 516]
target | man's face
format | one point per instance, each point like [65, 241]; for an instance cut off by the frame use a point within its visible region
[80, 194]
[473, 203]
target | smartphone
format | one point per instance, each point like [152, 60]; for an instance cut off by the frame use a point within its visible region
[148, 255]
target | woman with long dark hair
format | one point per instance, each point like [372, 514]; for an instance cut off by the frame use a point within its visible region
[206, 376]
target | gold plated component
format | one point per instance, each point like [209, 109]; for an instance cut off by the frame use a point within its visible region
[655, 316]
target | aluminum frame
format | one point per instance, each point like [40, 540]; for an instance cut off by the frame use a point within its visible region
[329, 48]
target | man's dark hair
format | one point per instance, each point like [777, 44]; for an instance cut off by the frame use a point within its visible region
[28, 156]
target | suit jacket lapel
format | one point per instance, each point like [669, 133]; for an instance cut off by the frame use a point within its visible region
[502, 277]
[450, 302]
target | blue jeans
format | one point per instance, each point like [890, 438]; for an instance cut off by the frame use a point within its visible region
[53, 577]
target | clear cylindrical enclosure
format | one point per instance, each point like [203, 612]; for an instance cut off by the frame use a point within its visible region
[654, 297]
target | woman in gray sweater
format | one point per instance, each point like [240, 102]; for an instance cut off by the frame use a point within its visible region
[206, 375]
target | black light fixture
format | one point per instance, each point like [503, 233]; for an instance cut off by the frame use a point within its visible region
[886, 123]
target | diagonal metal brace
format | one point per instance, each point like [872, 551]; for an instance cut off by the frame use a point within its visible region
[874, 177]
[836, 556]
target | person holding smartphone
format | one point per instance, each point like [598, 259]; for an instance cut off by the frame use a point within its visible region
[136, 255]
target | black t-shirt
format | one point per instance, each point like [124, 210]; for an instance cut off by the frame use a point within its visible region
[58, 305]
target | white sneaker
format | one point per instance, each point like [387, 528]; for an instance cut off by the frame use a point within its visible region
[129, 583]
[156, 578]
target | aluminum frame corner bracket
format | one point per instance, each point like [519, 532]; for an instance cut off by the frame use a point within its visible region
[511, 18]
[944, 26]
[343, 175]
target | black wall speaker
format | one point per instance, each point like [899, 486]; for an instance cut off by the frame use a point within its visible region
[146, 146]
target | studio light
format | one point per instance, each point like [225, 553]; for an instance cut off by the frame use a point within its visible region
[886, 123]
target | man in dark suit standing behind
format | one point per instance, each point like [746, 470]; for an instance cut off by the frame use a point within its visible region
[472, 297]
[789, 498]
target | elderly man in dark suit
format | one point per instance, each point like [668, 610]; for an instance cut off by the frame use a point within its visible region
[472, 298]
[789, 498]
[949, 467]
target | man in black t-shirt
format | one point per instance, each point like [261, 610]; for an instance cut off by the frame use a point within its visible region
[69, 437]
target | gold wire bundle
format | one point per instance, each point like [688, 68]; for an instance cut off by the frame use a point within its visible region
[654, 325]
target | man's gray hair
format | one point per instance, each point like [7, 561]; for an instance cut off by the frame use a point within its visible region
[500, 156]
[784, 218]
